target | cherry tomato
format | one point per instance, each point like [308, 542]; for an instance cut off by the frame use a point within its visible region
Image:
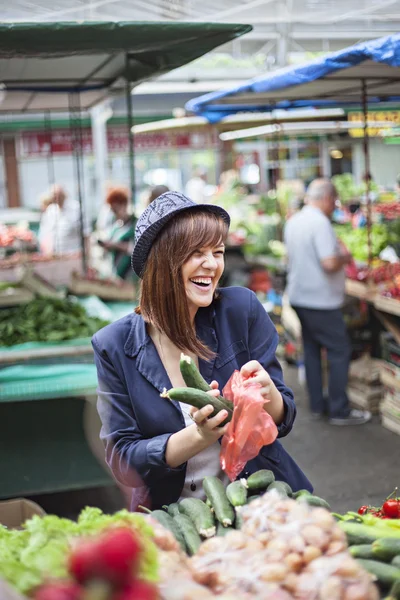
[391, 508]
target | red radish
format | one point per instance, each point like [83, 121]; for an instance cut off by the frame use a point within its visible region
[119, 553]
[61, 590]
[84, 561]
[138, 590]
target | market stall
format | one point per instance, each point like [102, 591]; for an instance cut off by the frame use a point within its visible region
[367, 74]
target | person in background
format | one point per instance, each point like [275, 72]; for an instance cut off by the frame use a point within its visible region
[316, 289]
[59, 231]
[196, 186]
[121, 234]
[155, 192]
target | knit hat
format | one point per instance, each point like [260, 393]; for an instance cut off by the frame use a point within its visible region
[158, 214]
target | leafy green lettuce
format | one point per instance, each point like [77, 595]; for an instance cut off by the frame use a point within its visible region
[41, 548]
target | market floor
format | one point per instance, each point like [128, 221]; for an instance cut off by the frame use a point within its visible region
[348, 466]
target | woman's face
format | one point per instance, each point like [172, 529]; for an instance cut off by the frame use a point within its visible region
[201, 273]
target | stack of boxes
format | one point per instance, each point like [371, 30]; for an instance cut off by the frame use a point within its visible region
[390, 377]
[365, 389]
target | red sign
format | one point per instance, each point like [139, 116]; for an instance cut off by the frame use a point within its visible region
[34, 144]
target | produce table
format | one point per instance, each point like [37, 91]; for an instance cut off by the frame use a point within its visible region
[48, 424]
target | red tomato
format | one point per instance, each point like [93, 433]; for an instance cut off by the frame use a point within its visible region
[363, 510]
[391, 508]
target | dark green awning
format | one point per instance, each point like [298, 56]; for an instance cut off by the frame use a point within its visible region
[41, 64]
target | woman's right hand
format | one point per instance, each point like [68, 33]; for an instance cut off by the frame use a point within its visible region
[209, 429]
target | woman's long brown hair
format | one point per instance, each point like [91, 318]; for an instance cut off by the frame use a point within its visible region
[163, 300]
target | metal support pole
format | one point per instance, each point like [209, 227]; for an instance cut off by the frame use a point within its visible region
[77, 149]
[130, 134]
[367, 169]
[50, 158]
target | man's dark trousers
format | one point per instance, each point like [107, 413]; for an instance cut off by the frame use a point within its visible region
[326, 329]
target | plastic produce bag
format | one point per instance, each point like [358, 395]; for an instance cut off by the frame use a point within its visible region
[251, 426]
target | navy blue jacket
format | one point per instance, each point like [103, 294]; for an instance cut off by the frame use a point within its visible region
[137, 422]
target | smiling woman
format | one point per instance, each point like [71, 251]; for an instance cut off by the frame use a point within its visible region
[179, 254]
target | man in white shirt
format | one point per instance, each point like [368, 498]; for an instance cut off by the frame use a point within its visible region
[316, 289]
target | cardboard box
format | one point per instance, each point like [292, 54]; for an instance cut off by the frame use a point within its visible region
[13, 513]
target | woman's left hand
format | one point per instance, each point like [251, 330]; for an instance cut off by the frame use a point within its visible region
[255, 373]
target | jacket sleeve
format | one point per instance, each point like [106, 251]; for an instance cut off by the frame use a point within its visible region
[133, 459]
[263, 342]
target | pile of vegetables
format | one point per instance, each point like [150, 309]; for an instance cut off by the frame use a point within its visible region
[388, 210]
[357, 243]
[11, 235]
[46, 320]
[40, 551]
[104, 567]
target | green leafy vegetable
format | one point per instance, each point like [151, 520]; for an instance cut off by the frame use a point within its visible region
[46, 320]
[41, 548]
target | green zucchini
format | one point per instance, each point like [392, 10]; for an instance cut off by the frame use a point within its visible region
[239, 518]
[260, 480]
[394, 593]
[358, 533]
[314, 501]
[200, 514]
[168, 522]
[361, 551]
[236, 493]
[221, 530]
[396, 561]
[215, 492]
[281, 487]
[251, 498]
[301, 493]
[189, 533]
[193, 378]
[386, 574]
[386, 549]
[198, 399]
[173, 509]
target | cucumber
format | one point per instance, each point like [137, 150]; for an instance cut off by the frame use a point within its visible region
[282, 487]
[396, 561]
[394, 593]
[251, 498]
[198, 399]
[361, 551]
[200, 514]
[189, 533]
[222, 531]
[301, 493]
[168, 522]
[260, 480]
[314, 501]
[173, 509]
[386, 548]
[215, 491]
[193, 378]
[236, 493]
[239, 519]
[385, 574]
[357, 533]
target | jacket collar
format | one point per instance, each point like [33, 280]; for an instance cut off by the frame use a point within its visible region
[139, 345]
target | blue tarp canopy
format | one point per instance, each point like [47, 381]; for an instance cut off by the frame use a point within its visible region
[332, 80]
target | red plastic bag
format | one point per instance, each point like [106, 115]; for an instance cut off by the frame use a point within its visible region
[251, 427]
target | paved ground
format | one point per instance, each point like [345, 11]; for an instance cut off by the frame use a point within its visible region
[348, 466]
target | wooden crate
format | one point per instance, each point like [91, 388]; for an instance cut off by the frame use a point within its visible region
[85, 287]
[361, 400]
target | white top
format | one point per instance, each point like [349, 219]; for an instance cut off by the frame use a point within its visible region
[205, 463]
[309, 239]
[59, 231]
